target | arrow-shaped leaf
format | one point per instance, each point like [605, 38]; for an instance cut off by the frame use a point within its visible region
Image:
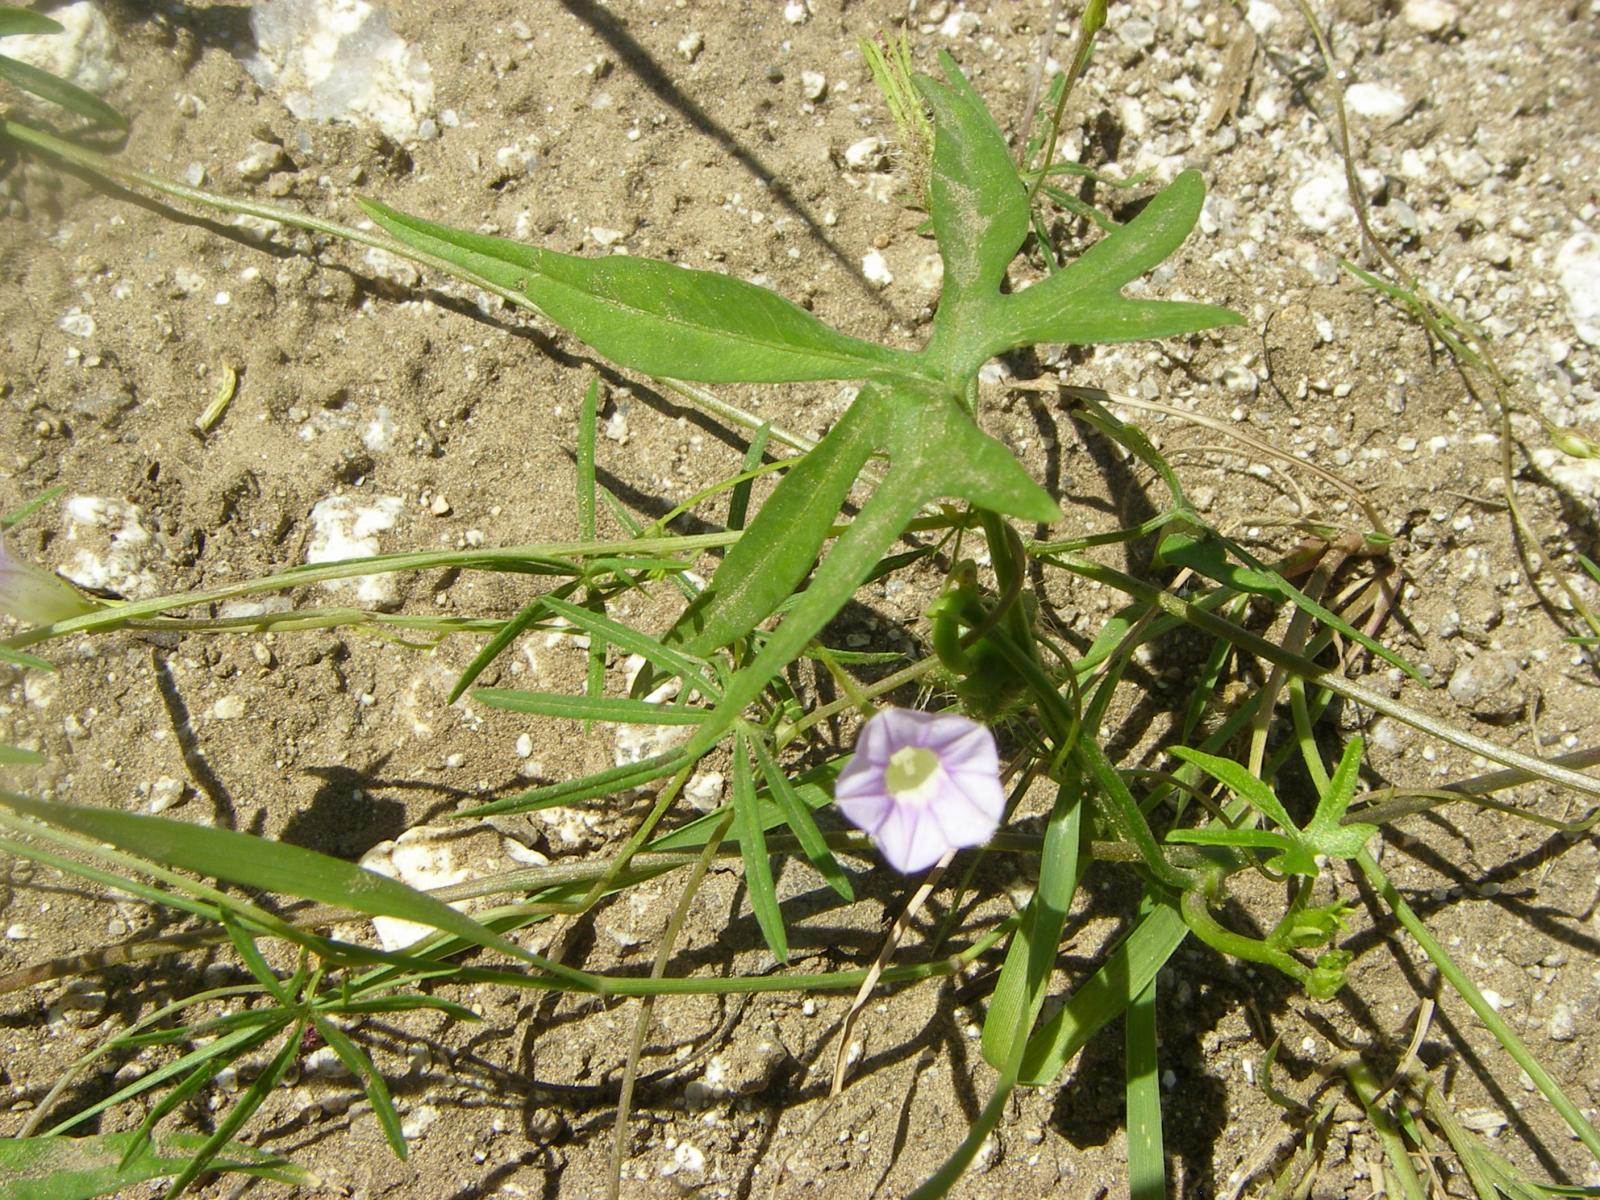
[654, 316]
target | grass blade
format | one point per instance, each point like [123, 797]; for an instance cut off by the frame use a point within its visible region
[1147, 1166]
[753, 849]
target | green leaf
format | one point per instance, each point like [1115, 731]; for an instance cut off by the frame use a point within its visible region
[653, 316]
[753, 849]
[1297, 857]
[1104, 996]
[58, 91]
[77, 1168]
[939, 441]
[1147, 1166]
[978, 204]
[272, 866]
[1326, 831]
[355, 1061]
[16, 756]
[797, 815]
[590, 708]
[22, 20]
[1207, 553]
[573, 791]
[1020, 992]
[764, 567]
[1083, 304]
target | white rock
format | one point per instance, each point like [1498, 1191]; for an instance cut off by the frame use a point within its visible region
[863, 154]
[165, 793]
[1262, 17]
[1323, 200]
[1562, 1025]
[260, 160]
[423, 857]
[114, 549]
[84, 52]
[77, 322]
[1376, 102]
[797, 12]
[813, 85]
[340, 529]
[228, 708]
[704, 791]
[1467, 167]
[378, 435]
[958, 24]
[1430, 16]
[690, 45]
[1578, 273]
[876, 269]
[336, 60]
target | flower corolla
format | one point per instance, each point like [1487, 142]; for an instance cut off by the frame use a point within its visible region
[922, 784]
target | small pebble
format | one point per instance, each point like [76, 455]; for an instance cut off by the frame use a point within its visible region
[876, 269]
[262, 159]
[1376, 102]
[229, 708]
[813, 85]
[1562, 1025]
[863, 154]
[690, 45]
[1430, 16]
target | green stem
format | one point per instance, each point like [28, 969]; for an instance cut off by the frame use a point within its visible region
[1469, 992]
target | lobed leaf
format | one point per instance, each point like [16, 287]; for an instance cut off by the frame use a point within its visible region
[978, 204]
[653, 316]
[1082, 304]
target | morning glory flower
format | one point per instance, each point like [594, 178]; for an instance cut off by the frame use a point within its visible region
[34, 596]
[922, 784]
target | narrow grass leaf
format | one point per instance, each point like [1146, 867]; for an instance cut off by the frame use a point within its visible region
[739, 501]
[753, 849]
[19, 659]
[272, 866]
[496, 645]
[22, 20]
[1147, 1164]
[16, 756]
[1207, 554]
[797, 815]
[1104, 995]
[243, 1109]
[26, 509]
[590, 708]
[205, 1060]
[573, 791]
[1020, 992]
[355, 1061]
[58, 91]
[634, 642]
[78, 1168]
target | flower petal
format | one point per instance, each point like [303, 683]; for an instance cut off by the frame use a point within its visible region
[959, 806]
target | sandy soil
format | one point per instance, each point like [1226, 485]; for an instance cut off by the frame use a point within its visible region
[699, 132]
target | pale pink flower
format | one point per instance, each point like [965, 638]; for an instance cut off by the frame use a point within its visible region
[922, 784]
